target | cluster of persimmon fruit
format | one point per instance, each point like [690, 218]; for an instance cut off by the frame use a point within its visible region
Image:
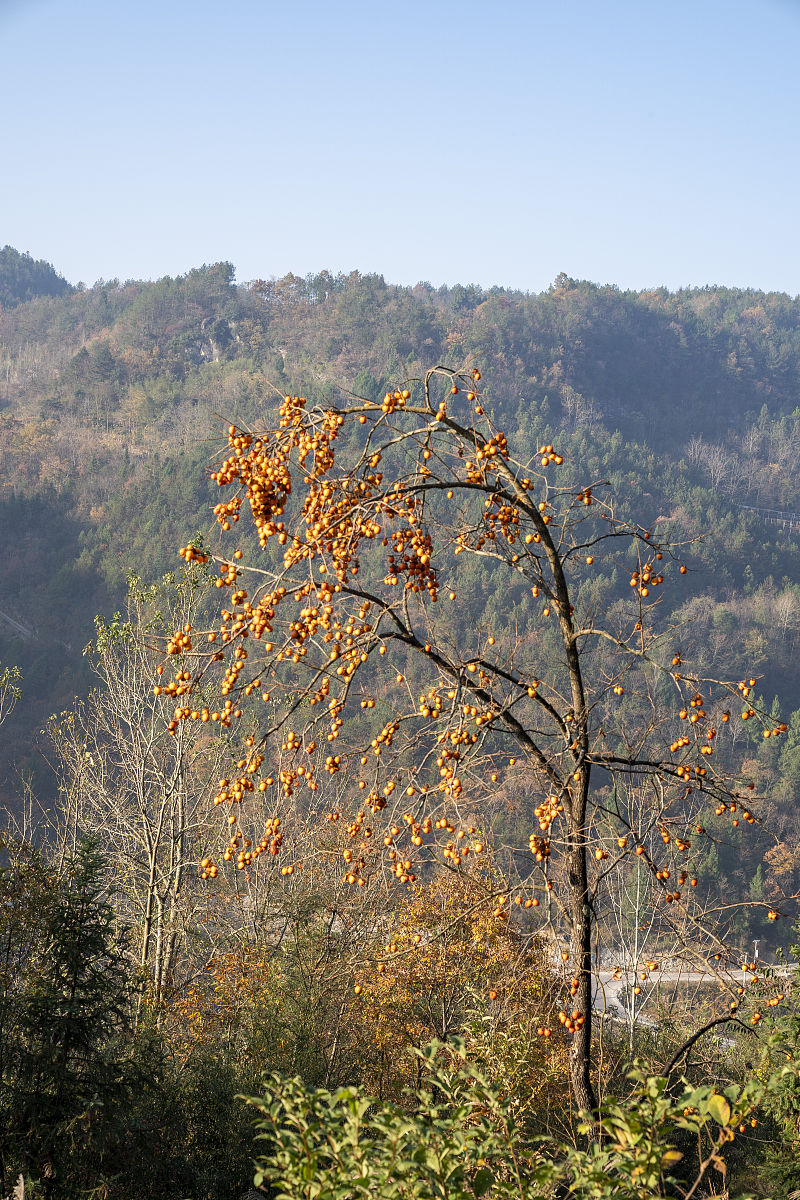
[573, 1021]
[648, 577]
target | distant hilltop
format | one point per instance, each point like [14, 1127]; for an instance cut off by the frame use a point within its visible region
[24, 278]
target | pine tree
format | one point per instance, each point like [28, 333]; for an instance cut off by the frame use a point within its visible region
[63, 1016]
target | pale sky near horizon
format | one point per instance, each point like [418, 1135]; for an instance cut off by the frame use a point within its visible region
[636, 142]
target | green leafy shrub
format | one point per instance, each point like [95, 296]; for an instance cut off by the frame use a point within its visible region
[459, 1138]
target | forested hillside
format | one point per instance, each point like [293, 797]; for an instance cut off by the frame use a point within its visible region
[113, 400]
[22, 278]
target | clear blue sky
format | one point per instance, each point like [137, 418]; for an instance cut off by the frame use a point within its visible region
[639, 142]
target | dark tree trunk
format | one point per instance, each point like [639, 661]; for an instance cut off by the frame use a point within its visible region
[580, 1058]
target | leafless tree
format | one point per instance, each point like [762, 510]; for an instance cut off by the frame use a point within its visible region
[141, 791]
[10, 691]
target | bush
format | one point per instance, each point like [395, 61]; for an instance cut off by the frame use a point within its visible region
[459, 1138]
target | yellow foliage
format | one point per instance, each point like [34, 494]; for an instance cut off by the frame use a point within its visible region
[216, 1010]
[451, 967]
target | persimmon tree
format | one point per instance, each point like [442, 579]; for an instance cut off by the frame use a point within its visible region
[349, 620]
